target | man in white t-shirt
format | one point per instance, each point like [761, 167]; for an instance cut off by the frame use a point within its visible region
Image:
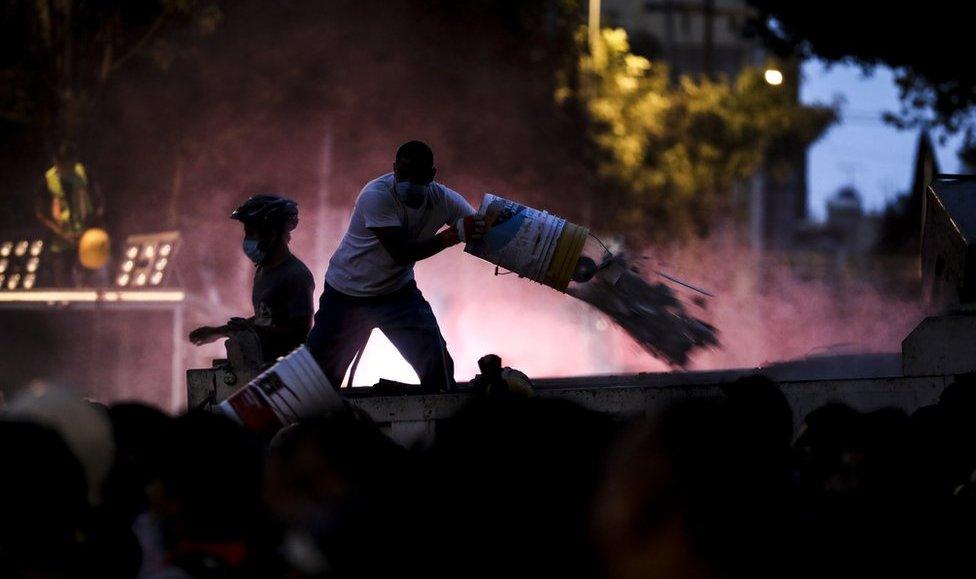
[399, 219]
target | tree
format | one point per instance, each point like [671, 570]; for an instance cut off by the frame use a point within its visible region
[923, 45]
[61, 54]
[901, 221]
[671, 155]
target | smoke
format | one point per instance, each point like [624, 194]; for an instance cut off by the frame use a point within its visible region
[765, 312]
[312, 99]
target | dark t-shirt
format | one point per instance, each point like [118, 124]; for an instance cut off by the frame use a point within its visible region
[282, 293]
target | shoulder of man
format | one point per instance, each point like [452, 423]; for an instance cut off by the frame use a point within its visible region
[445, 194]
[300, 271]
[453, 201]
[376, 205]
[378, 188]
[377, 196]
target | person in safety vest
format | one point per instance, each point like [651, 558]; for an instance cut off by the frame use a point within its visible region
[67, 205]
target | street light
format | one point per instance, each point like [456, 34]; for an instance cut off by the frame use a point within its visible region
[774, 77]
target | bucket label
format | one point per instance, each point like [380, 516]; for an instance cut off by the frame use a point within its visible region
[519, 238]
[252, 409]
[269, 383]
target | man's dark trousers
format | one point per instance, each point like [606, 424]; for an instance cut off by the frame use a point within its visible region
[343, 324]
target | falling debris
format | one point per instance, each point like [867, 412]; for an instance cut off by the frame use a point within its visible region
[651, 313]
[564, 256]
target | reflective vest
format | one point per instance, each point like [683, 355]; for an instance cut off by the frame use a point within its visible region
[61, 206]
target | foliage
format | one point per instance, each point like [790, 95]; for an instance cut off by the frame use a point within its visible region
[59, 55]
[922, 46]
[670, 155]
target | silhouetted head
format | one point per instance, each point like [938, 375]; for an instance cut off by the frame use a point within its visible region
[831, 450]
[45, 502]
[65, 157]
[414, 163]
[518, 473]
[333, 484]
[214, 483]
[762, 410]
[268, 221]
[959, 398]
[143, 446]
[691, 494]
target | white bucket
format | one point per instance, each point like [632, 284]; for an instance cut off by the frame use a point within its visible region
[293, 389]
[525, 240]
[520, 238]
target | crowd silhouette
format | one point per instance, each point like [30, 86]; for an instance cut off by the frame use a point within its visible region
[512, 486]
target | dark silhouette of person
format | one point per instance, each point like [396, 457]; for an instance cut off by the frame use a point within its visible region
[400, 218]
[282, 292]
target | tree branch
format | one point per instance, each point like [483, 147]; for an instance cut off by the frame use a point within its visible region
[138, 45]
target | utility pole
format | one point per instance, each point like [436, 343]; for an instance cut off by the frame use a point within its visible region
[708, 37]
[593, 24]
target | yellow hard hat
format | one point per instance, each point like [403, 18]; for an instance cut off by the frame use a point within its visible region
[93, 248]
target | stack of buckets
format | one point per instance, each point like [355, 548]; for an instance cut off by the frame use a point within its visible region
[293, 389]
[532, 243]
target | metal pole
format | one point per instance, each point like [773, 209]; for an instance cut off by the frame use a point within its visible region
[177, 376]
[593, 25]
[708, 39]
[322, 211]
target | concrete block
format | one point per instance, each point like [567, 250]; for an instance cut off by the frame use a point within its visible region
[213, 385]
[941, 346]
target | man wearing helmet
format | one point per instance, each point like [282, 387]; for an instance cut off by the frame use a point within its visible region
[283, 287]
[397, 221]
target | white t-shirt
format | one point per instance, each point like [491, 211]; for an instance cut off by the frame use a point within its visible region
[361, 266]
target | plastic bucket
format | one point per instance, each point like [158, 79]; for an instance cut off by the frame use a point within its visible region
[534, 244]
[292, 389]
[566, 254]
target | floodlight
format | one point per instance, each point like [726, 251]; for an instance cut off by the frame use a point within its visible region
[149, 259]
[20, 263]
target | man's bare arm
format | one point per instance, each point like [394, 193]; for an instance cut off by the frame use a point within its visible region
[404, 251]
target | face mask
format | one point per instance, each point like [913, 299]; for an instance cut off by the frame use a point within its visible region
[253, 250]
[410, 192]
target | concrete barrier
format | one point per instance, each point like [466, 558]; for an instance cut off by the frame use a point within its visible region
[409, 419]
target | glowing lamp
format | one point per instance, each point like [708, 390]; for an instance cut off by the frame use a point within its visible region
[773, 76]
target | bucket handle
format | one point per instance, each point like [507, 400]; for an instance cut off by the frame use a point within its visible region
[506, 273]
